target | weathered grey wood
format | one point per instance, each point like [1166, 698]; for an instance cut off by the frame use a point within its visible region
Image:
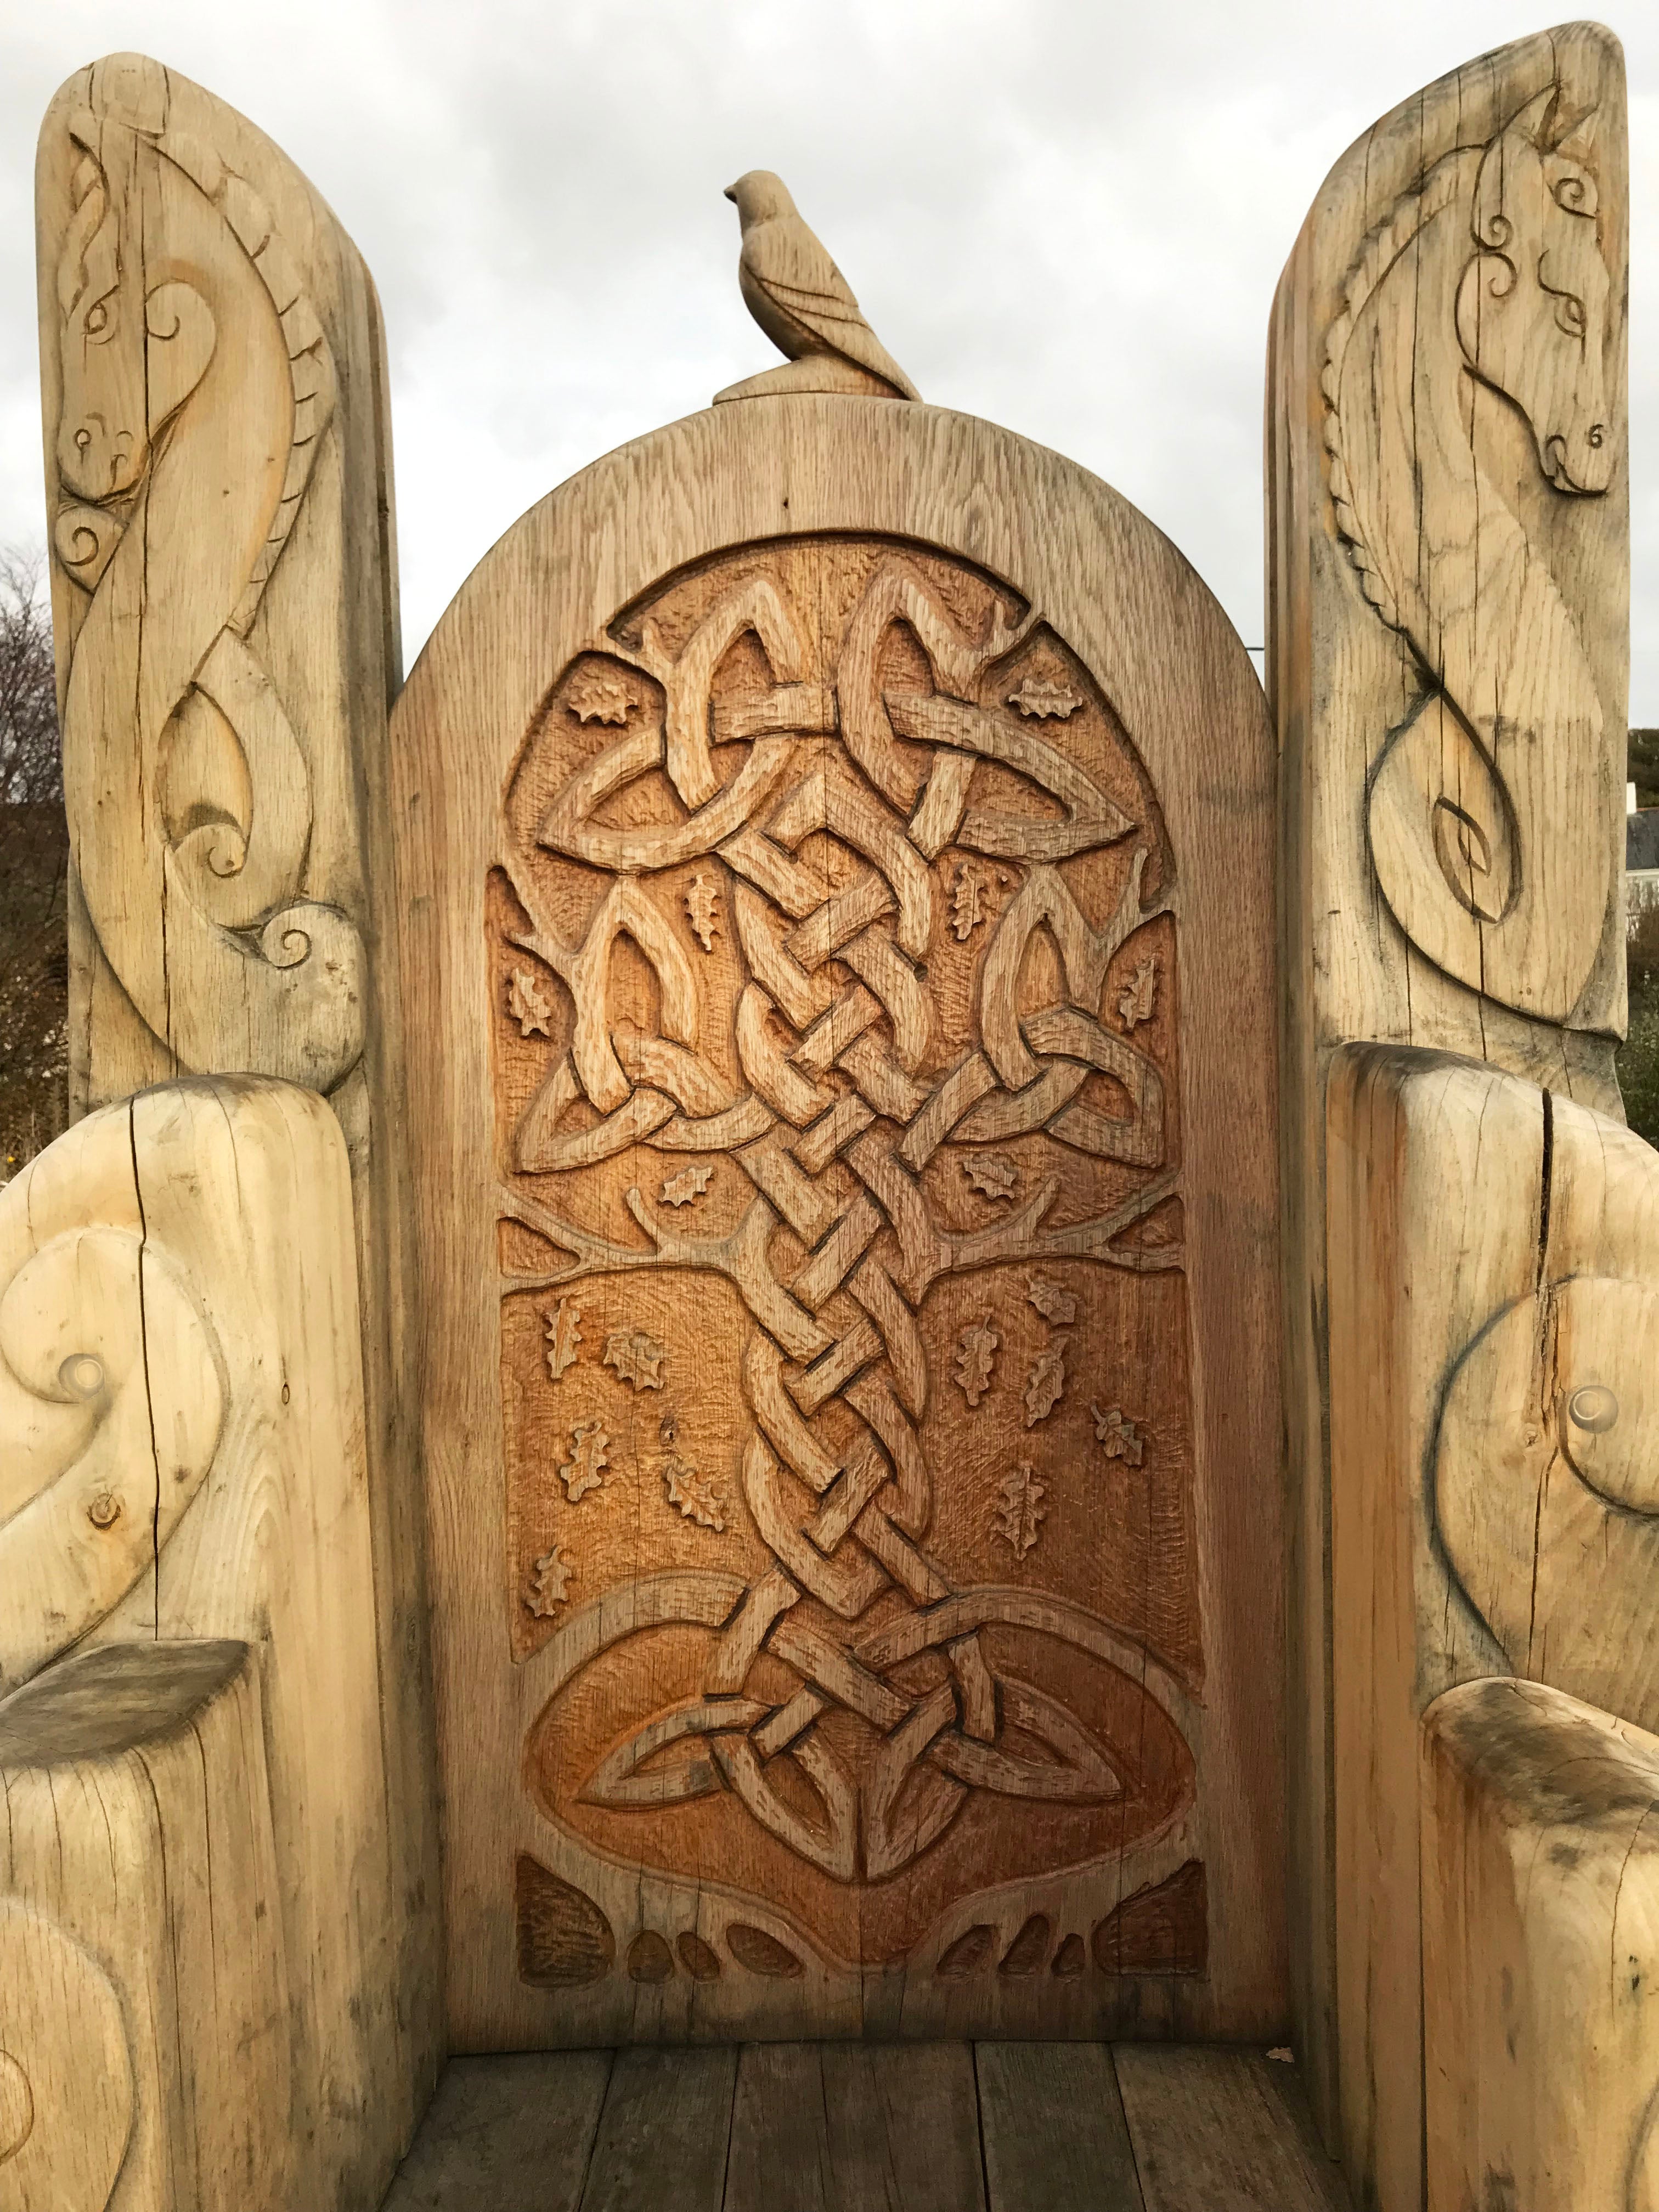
[779, 2154]
[1225, 2130]
[510, 2134]
[1052, 2123]
[854, 2128]
[664, 2131]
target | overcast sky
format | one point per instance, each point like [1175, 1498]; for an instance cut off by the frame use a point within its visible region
[1065, 215]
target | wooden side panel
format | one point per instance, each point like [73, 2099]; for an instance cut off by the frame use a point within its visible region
[181, 1406]
[1492, 1255]
[1540, 1909]
[219, 508]
[1449, 577]
[138, 1826]
[834, 904]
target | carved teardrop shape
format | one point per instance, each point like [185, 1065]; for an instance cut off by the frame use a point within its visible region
[1443, 840]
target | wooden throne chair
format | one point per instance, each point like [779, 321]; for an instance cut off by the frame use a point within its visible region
[826, 1295]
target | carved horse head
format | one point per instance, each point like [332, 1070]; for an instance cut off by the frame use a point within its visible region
[1532, 307]
[132, 352]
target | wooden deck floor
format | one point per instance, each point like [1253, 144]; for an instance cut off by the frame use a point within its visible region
[940, 2127]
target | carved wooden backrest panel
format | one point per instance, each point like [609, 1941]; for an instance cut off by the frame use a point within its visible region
[832, 1615]
[224, 598]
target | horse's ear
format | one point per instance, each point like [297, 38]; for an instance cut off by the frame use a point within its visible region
[1573, 133]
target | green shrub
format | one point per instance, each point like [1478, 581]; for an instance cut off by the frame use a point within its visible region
[1639, 1056]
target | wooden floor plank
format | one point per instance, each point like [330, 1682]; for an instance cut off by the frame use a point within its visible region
[1054, 2130]
[1225, 2130]
[779, 2154]
[510, 2133]
[663, 2134]
[904, 2123]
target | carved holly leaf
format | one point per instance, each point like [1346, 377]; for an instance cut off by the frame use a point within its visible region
[1018, 1517]
[689, 1183]
[1038, 696]
[968, 900]
[590, 1455]
[636, 1355]
[1053, 1303]
[545, 1587]
[595, 696]
[528, 1003]
[695, 1496]
[563, 1335]
[702, 905]
[1135, 1000]
[1119, 1434]
[993, 1173]
[1045, 1386]
[976, 1351]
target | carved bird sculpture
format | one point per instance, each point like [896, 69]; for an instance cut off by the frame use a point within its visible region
[804, 303]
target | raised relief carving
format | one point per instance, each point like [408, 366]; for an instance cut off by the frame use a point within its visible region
[804, 303]
[1118, 1435]
[196, 392]
[1020, 1515]
[1051, 1301]
[561, 1327]
[549, 1580]
[823, 1676]
[1037, 696]
[528, 1004]
[590, 1455]
[1045, 1385]
[703, 910]
[1136, 1000]
[976, 1352]
[1483, 827]
[689, 1184]
[1162, 1929]
[636, 1355]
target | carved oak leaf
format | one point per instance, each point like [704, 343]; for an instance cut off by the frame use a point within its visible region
[1135, 1000]
[976, 1349]
[528, 1004]
[1038, 696]
[1046, 1385]
[689, 1183]
[1021, 1511]
[563, 1335]
[544, 1592]
[1121, 1439]
[695, 1496]
[596, 697]
[636, 1355]
[702, 905]
[1053, 1303]
[994, 1174]
[967, 900]
[590, 1454]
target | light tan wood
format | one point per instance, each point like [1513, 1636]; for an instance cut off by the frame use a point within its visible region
[1540, 1914]
[225, 608]
[138, 1826]
[1448, 572]
[1492, 1252]
[1226, 2130]
[781, 1129]
[182, 1421]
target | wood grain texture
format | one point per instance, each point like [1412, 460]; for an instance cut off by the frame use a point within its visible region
[1493, 1251]
[509, 2134]
[138, 1826]
[224, 581]
[664, 2132]
[539, 667]
[1541, 1912]
[1227, 2129]
[826, 2127]
[1051, 2120]
[181, 1405]
[1447, 559]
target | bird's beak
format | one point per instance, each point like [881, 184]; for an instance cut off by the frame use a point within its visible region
[732, 194]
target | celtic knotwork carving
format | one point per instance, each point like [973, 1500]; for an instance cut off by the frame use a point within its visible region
[823, 730]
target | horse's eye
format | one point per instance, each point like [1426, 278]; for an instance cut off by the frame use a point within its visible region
[97, 318]
[1570, 316]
